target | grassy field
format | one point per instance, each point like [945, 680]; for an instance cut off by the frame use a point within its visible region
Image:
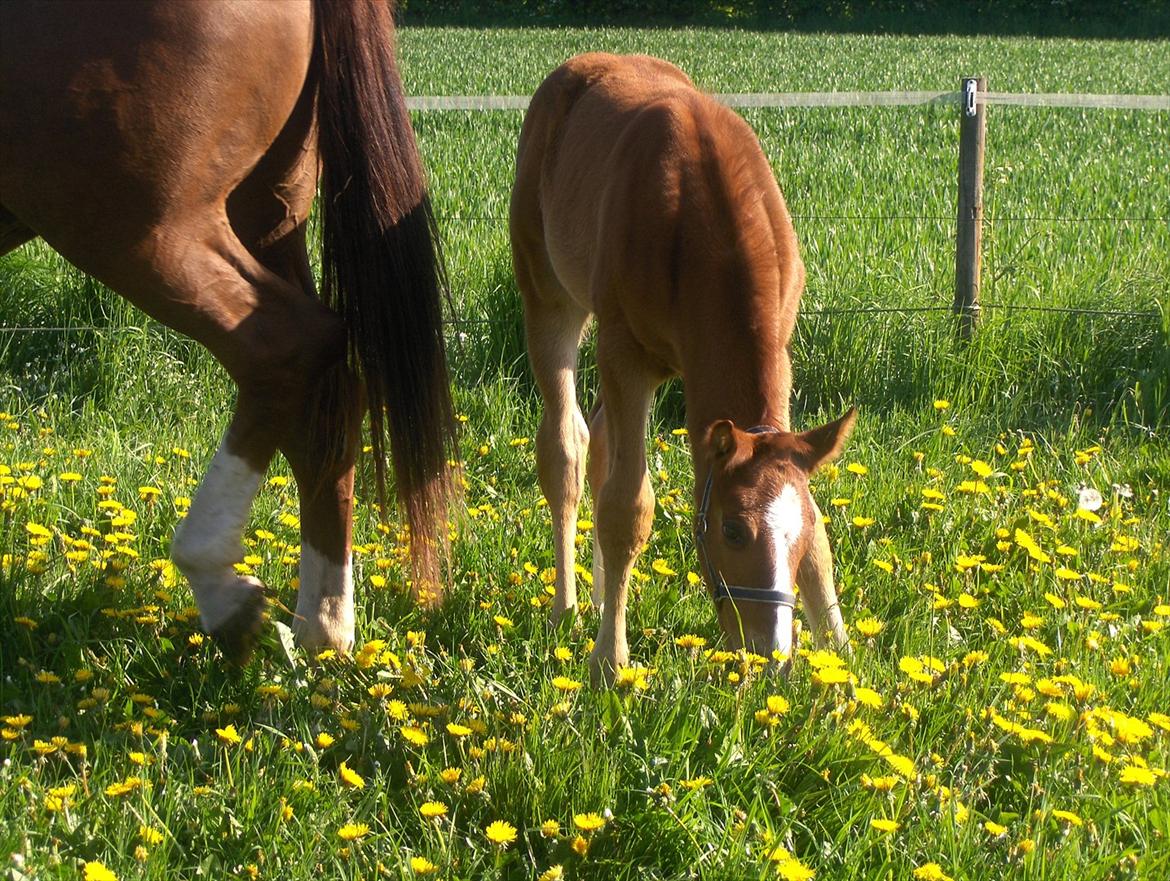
[1005, 712]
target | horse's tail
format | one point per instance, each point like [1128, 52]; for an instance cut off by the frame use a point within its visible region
[382, 267]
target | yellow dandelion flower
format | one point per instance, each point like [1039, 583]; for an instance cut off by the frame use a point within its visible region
[350, 777]
[476, 786]
[777, 704]
[1136, 775]
[422, 866]
[353, 831]
[124, 787]
[415, 735]
[149, 835]
[789, 867]
[931, 872]
[869, 627]
[433, 810]
[661, 567]
[96, 871]
[590, 822]
[228, 735]
[500, 833]
[552, 873]
[884, 825]
[565, 684]
[830, 676]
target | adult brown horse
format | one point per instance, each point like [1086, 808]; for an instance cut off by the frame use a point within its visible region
[652, 207]
[170, 148]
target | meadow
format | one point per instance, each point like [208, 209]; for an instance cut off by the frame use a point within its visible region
[999, 521]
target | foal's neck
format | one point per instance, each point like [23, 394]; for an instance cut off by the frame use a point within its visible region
[745, 381]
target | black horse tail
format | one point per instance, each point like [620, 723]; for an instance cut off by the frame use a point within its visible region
[382, 267]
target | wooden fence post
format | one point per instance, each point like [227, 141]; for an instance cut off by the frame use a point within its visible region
[969, 229]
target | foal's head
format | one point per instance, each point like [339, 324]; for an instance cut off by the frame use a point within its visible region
[755, 523]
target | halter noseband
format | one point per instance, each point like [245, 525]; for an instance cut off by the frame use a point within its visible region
[720, 589]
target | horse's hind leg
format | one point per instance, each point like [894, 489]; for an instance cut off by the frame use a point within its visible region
[324, 408]
[274, 340]
[319, 436]
[553, 326]
[321, 448]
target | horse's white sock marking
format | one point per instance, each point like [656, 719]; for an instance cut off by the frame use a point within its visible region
[784, 520]
[208, 541]
[324, 614]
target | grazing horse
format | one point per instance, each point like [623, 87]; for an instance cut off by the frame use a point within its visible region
[170, 149]
[650, 206]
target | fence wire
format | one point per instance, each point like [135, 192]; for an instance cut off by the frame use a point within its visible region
[459, 323]
[808, 100]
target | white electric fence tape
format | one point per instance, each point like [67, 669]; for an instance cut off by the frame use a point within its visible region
[836, 99]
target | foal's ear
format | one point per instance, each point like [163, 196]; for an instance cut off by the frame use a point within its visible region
[826, 443]
[721, 438]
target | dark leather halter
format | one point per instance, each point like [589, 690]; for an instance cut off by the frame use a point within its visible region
[720, 589]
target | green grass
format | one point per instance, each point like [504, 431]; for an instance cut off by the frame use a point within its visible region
[140, 399]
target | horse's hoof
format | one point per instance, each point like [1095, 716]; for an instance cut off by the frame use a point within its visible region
[237, 635]
[562, 617]
[317, 642]
[604, 667]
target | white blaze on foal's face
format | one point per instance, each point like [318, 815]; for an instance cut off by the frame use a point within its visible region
[784, 526]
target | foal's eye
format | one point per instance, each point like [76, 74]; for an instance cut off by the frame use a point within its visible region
[735, 533]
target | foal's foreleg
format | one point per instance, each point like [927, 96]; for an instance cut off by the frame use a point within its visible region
[817, 591]
[596, 471]
[624, 506]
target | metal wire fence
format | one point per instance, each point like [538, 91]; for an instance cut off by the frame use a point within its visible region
[485, 103]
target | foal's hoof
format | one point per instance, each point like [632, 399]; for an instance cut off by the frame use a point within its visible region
[562, 617]
[316, 638]
[236, 636]
[604, 667]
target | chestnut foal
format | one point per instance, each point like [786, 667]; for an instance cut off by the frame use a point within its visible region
[171, 149]
[644, 203]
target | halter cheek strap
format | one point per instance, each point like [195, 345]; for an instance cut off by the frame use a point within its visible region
[720, 589]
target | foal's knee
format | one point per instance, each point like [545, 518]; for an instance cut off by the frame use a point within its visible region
[624, 518]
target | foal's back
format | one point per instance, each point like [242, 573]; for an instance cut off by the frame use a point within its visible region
[649, 202]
